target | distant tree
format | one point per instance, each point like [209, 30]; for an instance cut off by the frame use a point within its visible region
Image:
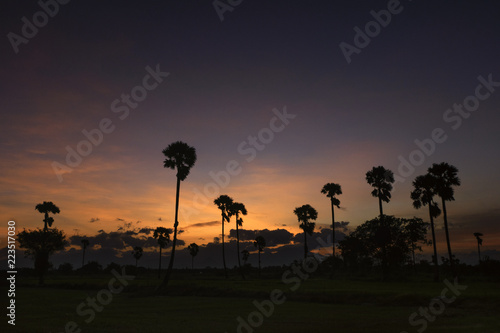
[93, 267]
[137, 253]
[305, 214]
[445, 176]
[423, 195]
[236, 209]
[66, 267]
[415, 232]
[260, 244]
[244, 256]
[381, 180]
[85, 243]
[393, 251]
[162, 235]
[39, 245]
[45, 208]
[193, 249]
[478, 236]
[331, 190]
[224, 203]
[181, 157]
[113, 266]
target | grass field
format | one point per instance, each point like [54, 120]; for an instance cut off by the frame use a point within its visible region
[214, 305]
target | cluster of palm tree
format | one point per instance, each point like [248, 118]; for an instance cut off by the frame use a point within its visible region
[439, 181]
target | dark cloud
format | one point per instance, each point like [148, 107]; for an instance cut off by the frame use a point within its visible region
[272, 237]
[203, 224]
[94, 219]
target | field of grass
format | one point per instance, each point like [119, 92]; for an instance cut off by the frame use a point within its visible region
[213, 304]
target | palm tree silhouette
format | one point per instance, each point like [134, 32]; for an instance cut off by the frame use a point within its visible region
[85, 243]
[45, 208]
[193, 249]
[244, 256]
[445, 177]
[478, 236]
[260, 244]
[224, 203]
[163, 237]
[181, 157]
[304, 214]
[137, 253]
[423, 195]
[381, 179]
[237, 208]
[331, 190]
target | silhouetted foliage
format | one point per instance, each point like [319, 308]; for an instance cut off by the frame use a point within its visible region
[260, 244]
[39, 245]
[381, 180]
[65, 268]
[224, 203]
[423, 195]
[236, 209]
[331, 190]
[193, 249]
[181, 157]
[305, 214]
[93, 267]
[445, 177]
[137, 253]
[162, 235]
[45, 208]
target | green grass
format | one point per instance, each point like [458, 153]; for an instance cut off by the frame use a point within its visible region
[214, 304]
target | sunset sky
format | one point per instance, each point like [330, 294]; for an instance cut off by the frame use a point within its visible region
[267, 91]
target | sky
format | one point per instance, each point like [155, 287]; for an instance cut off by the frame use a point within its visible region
[277, 97]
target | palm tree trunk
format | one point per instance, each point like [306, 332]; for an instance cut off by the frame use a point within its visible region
[333, 232]
[238, 248]
[159, 265]
[380, 206]
[259, 261]
[83, 258]
[45, 227]
[223, 252]
[479, 251]
[452, 265]
[305, 245]
[176, 223]
[434, 258]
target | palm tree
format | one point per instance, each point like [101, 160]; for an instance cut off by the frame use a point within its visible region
[163, 237]
[137, 253]
[181, 157]
[85, 243]
[260, 244]
[331, 190]
[244, 256]
[445, 177]
[381, 180]
[236, 209]
[224, 203]
[478, 236]
[193, 249]
[45, 208]
[423, 195]
[304, 214]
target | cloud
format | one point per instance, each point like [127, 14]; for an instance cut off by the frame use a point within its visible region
[94, 219]
[203, 224]
[272, 237]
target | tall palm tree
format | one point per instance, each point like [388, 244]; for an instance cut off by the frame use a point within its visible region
[331, 190]
[45, 208]
[193, 249]
[445, 177]
[478, 236]
[238, 208]
[85, 243]
[381, 180]
[181, 157]
[260, 244]
[304, 214]
[224, 203]
[137, 253]
[423, 195]
[162, 235]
